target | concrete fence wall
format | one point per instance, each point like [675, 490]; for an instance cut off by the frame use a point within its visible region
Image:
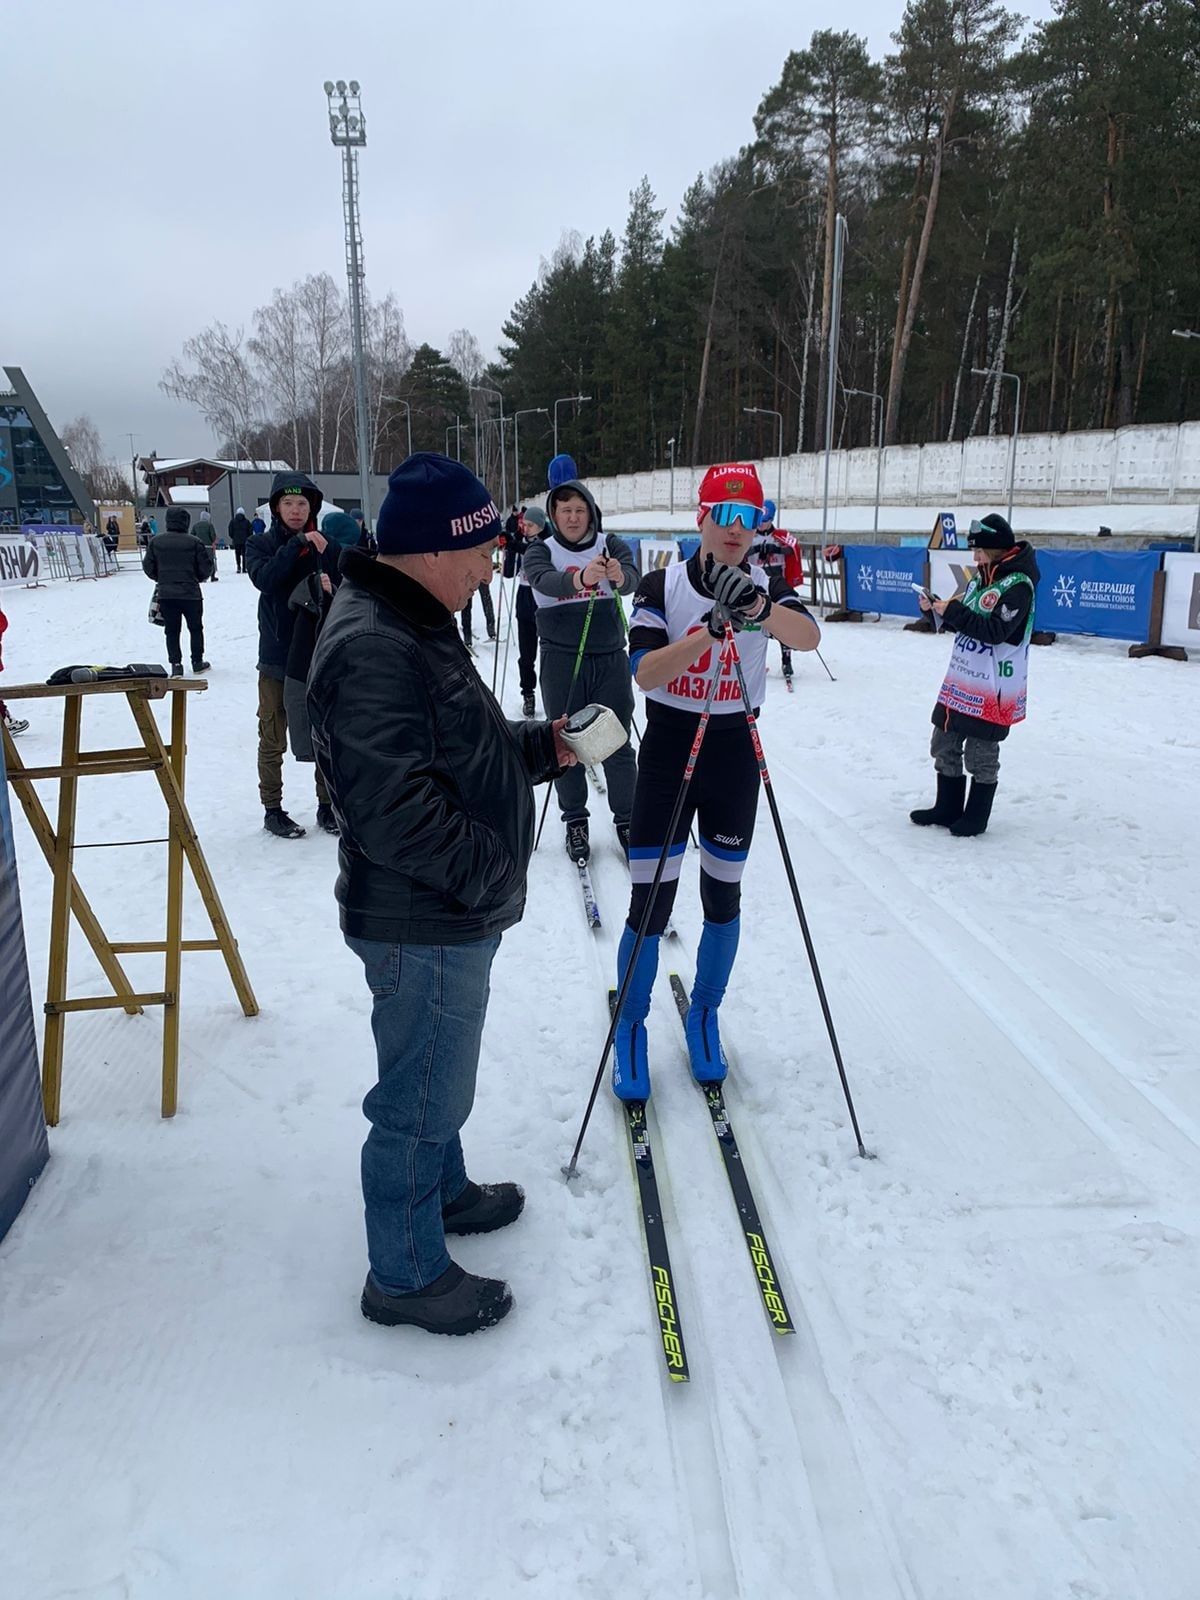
[1130, 465]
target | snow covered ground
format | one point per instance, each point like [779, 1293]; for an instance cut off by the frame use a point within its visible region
[992, 1389]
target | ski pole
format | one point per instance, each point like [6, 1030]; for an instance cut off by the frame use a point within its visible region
[825, 664]
[760, 758]
[569, 1171]
[512, 606]
[499, 618]
[587, 622]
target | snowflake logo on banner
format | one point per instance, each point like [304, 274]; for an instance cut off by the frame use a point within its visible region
[1064, 590]
[866, 577]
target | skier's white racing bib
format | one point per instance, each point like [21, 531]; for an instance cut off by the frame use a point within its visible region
[685, 613]
[566, 559]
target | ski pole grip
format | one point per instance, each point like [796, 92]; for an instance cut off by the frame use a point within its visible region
[594, 734]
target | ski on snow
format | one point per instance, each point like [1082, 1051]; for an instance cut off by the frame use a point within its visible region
[590, 908]
[743, 1196]
[654, 1231]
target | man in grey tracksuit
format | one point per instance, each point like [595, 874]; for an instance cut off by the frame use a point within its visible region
[576, 573]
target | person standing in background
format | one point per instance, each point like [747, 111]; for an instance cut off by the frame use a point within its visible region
[240, 532]
[207, 535]
[277, 561]
[178, 564]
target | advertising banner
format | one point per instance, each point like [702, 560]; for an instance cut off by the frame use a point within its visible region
[1181, 605]
[950, 571]
[1090, 592]
[881, 578]
[20, 561]
[23, 1146]
[654, 553]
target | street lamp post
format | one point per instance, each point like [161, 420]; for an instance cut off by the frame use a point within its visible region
[133, 473]
[671, 454]
[765, 411]
[993, 372]
[348, 131]
[478, 388]
[527, 411]
[449, 431]
[395, 400]
[567, 400]
[874, 398]
[840, 234]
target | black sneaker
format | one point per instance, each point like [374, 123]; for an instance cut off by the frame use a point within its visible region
[327, 820]
[15, 725]
[578, 847]
[177, 669]
[484, 1207]
[278, 822]
[528, 708]
[201, 666]
[623, 838]
[457, 1302]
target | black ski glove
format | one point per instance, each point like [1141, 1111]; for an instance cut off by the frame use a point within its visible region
[737, 597]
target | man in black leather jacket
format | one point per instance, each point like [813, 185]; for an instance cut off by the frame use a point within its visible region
[432, 791]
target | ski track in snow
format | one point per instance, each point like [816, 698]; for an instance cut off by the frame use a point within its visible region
[990, 1390]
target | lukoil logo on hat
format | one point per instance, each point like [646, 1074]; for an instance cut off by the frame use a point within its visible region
[734, 480]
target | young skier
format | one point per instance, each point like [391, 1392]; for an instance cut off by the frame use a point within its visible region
[575, 573]
[984, 690]
[775, 551]
[675, 652]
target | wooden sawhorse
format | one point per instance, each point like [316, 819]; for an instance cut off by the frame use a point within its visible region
[166, 762]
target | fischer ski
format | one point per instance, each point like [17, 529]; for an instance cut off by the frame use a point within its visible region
[655, 1234]
[743, 1196]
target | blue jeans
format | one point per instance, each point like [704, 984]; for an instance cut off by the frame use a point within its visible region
[430, 1002]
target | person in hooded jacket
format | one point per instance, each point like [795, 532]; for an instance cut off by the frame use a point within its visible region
[278, 560]
[178, 564]
[576, 573]
[984, 691]
[311, 600]
[240, 533]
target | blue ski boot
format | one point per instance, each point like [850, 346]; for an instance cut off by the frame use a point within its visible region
[631, 1069]
[714, 963]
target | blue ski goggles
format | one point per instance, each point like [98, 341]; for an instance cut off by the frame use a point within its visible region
[726, 512]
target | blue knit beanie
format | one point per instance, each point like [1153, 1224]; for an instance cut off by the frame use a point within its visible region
[341, 528]
[434, 503]
[561, 470]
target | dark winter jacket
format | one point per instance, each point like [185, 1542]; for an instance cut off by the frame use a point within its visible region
[431, 787]
[178, 564]
[239, 531]
[1002, 625]
[277, 561]
[561, 627]
[205, 532]
[310, 606]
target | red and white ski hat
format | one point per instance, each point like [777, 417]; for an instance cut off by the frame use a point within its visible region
[732, 480]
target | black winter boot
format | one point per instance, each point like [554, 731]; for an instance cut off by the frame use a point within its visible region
[484, 1207]
[326, 820]
[978, 809]
[947, 808]
[528, 708]
[457, 1302]
[277, 821]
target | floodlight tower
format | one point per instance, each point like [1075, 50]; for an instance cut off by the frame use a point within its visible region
[348, 130]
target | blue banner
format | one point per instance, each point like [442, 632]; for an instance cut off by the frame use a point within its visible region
[880, 578]
[23, 1146]
[1108, 594]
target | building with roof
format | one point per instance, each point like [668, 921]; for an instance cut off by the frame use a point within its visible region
[37, 481]
[166, 477]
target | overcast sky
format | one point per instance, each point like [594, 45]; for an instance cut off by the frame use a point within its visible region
[169, 163]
